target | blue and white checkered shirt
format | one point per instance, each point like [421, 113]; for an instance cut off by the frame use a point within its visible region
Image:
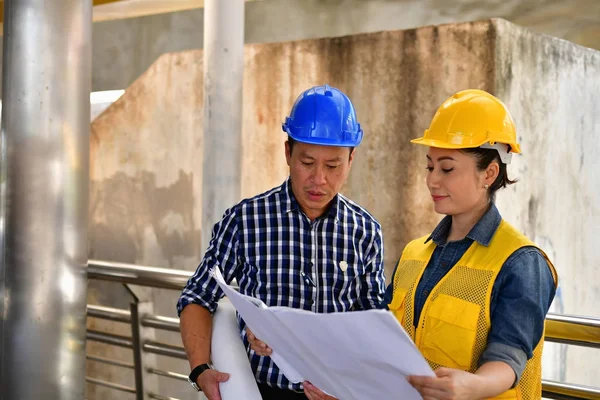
[332, 264]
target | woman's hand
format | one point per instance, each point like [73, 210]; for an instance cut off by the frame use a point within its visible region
[491, 379]
[448, 384]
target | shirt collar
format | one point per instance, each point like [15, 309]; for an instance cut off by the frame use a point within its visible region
[482, 232]
[290, 203]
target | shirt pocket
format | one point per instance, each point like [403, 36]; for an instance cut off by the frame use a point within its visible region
[344, 278]
[450, 332]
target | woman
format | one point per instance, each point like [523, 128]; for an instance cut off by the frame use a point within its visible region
[474, 293]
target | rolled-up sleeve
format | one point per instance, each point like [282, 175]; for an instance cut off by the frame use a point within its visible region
[373, 281]
[521, 298]
[222, 252]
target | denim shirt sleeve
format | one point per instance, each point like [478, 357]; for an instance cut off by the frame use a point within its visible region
[521, 297]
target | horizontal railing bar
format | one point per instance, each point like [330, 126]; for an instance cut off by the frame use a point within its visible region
[168, 374]
[165, 350]
[109, 385]
[110, 362]
[109, 338]
[560, 390]
[159, 397]
[158, 322]
[112, 314]
[138, 275]
[571, 329]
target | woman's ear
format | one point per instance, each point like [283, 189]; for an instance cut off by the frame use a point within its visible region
[491, 173]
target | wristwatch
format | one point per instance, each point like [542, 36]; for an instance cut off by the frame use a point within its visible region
[196, 373]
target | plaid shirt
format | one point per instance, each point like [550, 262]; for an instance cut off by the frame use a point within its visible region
[278, 255]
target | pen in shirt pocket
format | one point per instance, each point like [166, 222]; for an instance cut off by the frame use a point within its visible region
[307, 279]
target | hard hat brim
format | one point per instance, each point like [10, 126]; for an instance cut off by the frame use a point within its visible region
[324, 141]
[514, 147]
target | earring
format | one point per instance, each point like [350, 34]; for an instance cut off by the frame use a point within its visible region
[486, 186]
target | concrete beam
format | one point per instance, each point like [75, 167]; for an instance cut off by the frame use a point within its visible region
[107, 10]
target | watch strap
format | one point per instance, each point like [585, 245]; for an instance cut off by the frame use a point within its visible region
[196, 373]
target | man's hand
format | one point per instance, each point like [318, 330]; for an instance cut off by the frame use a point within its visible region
[313, 393]
[448, 384]
[209, 383]
[258, 346]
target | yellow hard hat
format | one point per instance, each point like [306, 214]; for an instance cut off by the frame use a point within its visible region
[471, 118]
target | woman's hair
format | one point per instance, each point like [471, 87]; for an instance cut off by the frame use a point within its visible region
[484, 158]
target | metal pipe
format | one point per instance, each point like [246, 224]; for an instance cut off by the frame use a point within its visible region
[109, 338]
[158, 322]
[168, 374]
[109, 361]
[110, 385]
[571, 329]
[111, 314]
[137, 352]
[559, 390]
[159, 397]
[223, 85]
[165, 350]
[45, 139]
[139, 275]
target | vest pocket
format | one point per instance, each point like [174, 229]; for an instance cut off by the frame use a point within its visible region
[398, 304]
[450, 331]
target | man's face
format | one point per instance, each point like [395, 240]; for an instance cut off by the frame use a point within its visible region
[317, 174]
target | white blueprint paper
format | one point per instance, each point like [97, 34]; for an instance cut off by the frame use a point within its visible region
[352, 356]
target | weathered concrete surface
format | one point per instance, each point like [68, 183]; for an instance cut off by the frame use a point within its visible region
[124, 49]
[146, 149]
[551, 87]
[146, 173]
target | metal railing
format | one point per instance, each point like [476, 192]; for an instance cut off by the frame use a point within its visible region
[566, 329]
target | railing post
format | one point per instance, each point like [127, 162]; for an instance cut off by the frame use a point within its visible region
[145, 382]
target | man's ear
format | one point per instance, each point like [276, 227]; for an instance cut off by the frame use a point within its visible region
[288, 152]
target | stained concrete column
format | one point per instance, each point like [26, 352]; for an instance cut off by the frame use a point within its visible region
[223, 84]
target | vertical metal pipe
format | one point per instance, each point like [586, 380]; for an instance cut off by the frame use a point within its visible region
[138, 367]
[46, 80]
[223, 80]
[145, 382]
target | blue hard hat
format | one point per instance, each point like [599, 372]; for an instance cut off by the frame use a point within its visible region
[325, 116]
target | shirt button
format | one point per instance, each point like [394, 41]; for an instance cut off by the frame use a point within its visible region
[311, 302]
[310, 264]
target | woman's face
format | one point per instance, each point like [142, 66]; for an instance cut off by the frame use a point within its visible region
[455, 183]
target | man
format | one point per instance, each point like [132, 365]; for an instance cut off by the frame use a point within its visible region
[300, 245]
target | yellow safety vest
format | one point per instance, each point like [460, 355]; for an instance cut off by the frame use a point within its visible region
[455, 321]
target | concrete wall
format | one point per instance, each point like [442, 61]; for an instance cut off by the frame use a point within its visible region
[146, 149]
[551, 87]
[124, 49]
[145, 196]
